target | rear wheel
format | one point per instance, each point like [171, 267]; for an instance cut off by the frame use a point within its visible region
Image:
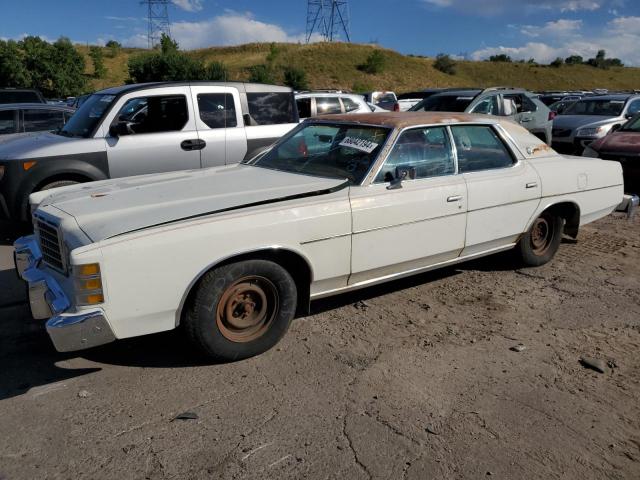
[541, 242]
[241, 309]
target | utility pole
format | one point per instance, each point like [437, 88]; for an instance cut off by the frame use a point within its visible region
[329, 19]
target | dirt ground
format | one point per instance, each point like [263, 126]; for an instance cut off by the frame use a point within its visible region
[412, 380]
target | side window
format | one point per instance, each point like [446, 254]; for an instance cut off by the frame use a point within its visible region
[41, 120]
[327, 105]
[266, 108]
[162, 113]
[634, 107]
[8, 122]
[428, 150]
[217, 110]
[528, 105]
[349, 104]
[479, 148]
[488, 106]
[304, 107]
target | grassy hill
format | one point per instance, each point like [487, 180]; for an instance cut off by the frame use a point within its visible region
[335, 65]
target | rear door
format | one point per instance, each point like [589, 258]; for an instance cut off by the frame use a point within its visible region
[503, 190]
[218, 118]
[157, 132]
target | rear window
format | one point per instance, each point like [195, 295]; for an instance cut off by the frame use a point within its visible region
[217, 110]
[270, 108]
[443, 103]
[304, 107]
[10, 96]
[40, 120]
[8, 122]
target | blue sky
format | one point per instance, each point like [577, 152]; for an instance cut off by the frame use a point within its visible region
[542, 29]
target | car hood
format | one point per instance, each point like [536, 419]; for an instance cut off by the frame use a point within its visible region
[113, 207]
[578, 121]
[46, 144]
[619, 142]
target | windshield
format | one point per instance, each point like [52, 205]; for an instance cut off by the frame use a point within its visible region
[606, 108]
[443, 103]
[327, 150]
[632, 125]
[84, 121]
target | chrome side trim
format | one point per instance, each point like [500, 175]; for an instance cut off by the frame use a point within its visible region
[323, 239]
[77, 332]
[408, 273]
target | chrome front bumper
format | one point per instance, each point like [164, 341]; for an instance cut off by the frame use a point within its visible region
[629, 205]
[68, 331]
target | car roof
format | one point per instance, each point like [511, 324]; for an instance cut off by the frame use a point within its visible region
[243, 86]
[407, 119]
[41, 106]
[622, 96]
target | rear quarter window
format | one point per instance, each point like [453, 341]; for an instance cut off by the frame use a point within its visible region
[267, 108]
[8, 122]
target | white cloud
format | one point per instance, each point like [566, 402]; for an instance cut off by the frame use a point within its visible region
[188, 5]
[619, 38]
[559, 28]
[491, 7]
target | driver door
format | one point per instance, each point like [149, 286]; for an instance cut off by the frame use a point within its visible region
[422, 223]
[157, 133]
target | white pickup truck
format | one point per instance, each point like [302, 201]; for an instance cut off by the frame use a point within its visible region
[146, 128]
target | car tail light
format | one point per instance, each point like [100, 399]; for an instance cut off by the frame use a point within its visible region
[552, 115]
[396, 107]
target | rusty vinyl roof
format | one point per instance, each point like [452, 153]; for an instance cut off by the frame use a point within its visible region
[407, 119]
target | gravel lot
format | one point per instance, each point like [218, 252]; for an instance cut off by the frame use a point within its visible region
[415, 379]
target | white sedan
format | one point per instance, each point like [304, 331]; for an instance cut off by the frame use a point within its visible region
[233, 253]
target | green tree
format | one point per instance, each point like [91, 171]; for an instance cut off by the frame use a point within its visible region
[168, 45]
[295, 78]
[68, 65]
[113, 48]
[217, 72]
[574, 60]
[99, 70]
[261, 74]
[13, 72]
[374, 64]
[445, 64]
[500, 58]
[274, 51]
[557, 63]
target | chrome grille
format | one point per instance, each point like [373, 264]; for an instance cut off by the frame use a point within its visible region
[50, 244]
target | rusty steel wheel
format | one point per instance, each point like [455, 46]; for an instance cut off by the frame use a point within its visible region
[241, 309]
[247, 309]
[541, 236]
[542, 240]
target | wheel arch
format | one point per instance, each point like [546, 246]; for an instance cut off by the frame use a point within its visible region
[294, 262]
[566, 209]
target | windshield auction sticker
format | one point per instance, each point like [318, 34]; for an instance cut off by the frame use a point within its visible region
[359, 144]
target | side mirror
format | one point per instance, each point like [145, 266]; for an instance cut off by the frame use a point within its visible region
[615, 128]
[629, 116]
[118, 129]
[402, 173]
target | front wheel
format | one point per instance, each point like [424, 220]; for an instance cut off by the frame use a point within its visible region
[241, 309]
[542, 240]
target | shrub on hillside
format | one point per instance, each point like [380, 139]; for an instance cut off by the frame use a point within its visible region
[500, 58]
[445, 64]
[574, 60]
[113, 48]
[295, 78]
[374, 64]
[217, 72]
[99, 70]
[557, 63]
[261, 74]
[158, 67]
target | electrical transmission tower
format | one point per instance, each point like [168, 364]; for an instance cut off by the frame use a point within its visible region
[329, 18]
[158, 17]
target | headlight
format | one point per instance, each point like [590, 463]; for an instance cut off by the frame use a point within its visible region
[590, 152]
[88, 284]
[592, 132]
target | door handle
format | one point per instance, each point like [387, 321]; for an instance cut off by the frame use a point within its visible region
[532, 185]
[454, 198]
[194, 144]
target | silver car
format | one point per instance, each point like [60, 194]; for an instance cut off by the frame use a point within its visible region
[591, 118]
[325, 102]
